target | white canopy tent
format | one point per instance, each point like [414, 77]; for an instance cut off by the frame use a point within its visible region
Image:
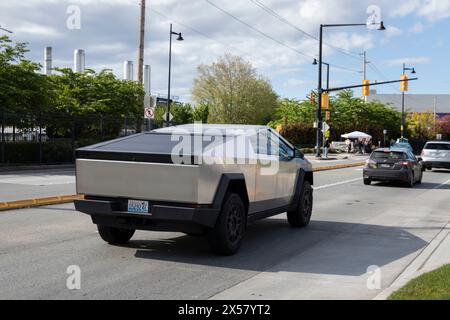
[356, 135]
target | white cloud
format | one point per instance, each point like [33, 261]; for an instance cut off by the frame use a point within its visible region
[35, 29]
[419, 27]
[392, 31]
[409, 60]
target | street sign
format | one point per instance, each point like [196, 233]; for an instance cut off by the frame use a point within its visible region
[325, 127]
[170, 116]
[149, 113]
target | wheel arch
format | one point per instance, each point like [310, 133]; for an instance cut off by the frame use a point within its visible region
[231, 182]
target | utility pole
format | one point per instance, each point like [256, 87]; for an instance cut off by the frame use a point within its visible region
[364, 72]
[434, 115]
[141, 44]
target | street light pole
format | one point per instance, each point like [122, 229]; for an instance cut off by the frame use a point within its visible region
[381, 27]
[319, 99]
[180, 38]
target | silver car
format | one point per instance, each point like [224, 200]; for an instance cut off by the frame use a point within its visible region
[198, 179]
[436, 154]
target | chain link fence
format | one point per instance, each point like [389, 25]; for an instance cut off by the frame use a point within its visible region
[52, 138]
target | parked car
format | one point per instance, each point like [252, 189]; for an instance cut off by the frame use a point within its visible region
[393, 165]
[436, 154]
[138, 183]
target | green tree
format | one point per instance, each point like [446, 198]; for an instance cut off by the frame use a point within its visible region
[421, 125]
[234, 92]
[22, 89]
[101, 96]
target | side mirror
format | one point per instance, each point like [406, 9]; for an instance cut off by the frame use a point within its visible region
[419, 159]
[299, 154]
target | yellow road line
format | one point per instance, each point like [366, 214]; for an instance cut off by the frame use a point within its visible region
[339, 166]
[19, 204]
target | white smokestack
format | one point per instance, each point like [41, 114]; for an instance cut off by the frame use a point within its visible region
[79, 61]
[128, 70]
[48, 61]
[147, 79]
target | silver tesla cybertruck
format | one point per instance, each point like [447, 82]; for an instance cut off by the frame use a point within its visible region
[210, 180]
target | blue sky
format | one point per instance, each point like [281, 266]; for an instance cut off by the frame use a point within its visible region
[417, 35]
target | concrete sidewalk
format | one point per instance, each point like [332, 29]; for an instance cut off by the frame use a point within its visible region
[432, 257]
[337, 159]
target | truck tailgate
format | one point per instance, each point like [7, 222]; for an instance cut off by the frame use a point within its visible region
[138, 180]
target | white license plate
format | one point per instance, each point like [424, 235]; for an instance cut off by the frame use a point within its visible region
[138, 206]
[385, 165]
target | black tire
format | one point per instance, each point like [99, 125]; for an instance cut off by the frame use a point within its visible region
[301, 217]
[115, 236]
[367, 182]
[226, 237]
[411, 181]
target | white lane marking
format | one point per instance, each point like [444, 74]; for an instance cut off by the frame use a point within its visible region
[441, 185]
[337, 184]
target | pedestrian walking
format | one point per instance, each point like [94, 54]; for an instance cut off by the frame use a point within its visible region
[326, 148]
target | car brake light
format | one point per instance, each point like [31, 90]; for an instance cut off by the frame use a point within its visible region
[403, 163]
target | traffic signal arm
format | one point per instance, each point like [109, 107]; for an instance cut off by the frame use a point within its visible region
[371, 84]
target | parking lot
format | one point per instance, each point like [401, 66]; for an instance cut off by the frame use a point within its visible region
[354, 227]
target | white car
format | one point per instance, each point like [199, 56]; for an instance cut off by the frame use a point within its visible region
[436, 154]
[211, 180]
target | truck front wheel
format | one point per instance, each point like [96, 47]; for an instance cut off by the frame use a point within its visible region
[115, 236]
[226, 237]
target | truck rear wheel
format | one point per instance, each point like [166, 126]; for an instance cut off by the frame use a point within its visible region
[227, 235]
[115, 236]
[302, 216]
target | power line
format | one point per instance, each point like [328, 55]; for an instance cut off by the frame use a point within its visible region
[258, 31]
[273, 13]
[270, 37]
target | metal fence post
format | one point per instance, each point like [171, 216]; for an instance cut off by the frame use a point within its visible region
[40, 136]
[73, 138]
[3, 136]
[126, 126]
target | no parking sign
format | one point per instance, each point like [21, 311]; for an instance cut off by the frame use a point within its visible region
[149, 113]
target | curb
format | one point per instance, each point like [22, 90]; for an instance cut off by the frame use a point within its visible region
[416, 266]
[36, 167]
[339, 166]
[29, 203]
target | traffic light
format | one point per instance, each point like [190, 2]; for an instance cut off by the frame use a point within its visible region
[366, 88]
[404, 83]
[328, 116]
[325, 100]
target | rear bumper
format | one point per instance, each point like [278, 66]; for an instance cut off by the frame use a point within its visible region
[112, 213]
[386, 175]
[436, 164]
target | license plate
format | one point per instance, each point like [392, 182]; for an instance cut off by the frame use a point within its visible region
[385, 165]
[138, 206]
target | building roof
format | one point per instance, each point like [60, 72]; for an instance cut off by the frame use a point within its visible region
[416, 102]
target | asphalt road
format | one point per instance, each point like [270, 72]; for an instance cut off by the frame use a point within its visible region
[353, 227]
[36, 184]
